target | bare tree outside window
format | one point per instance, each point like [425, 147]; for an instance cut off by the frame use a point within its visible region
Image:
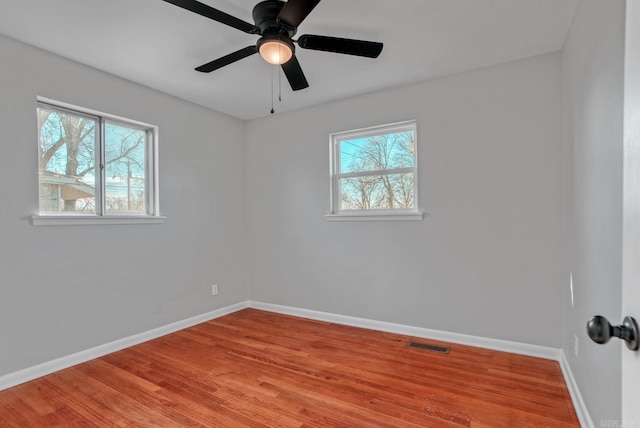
[124, 169]
[376, 171]
[71, 144]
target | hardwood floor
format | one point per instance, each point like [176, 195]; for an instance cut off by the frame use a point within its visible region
[260, 369]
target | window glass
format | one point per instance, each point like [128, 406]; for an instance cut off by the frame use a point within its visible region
[378, 152]
[124, 169]
[94, 164]
[374, 169]
[377, 192]
[67, 143]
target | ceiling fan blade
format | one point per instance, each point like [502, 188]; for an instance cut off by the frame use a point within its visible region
[339, 45]
[227, 59]
[211, 13]
[294, 74]
[295, 11]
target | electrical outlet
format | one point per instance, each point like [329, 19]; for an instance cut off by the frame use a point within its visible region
[575, 344]
[214, 290]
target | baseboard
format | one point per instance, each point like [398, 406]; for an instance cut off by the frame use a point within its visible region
[578, 403]
[31, 373]
[463, 339]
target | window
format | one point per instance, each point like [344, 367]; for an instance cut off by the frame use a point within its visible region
[93, 165]
[374, 173]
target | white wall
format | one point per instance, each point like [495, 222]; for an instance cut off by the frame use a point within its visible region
[593, 66]
[487, 258]
[67, 289]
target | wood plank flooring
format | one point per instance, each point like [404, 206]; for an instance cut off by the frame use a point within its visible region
[259, 369]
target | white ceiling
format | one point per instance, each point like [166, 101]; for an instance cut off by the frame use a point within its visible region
[158, 44]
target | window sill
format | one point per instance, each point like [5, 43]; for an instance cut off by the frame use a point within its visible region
[77, 220]
[412, 216]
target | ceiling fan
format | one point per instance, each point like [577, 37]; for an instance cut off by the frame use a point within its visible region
[277, 22]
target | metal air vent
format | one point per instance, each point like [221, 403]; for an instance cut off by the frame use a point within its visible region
[430, 347]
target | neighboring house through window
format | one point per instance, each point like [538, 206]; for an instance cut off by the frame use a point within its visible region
[94, 165]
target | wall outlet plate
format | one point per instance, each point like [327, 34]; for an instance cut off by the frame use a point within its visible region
[214, 290]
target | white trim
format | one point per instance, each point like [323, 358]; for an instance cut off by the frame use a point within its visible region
[87, 111]
[576, 397]
[463, 339]
[375, 173]
[375, 130]
[375, 217]
[154, 163]
[31, 373]
[78, 220]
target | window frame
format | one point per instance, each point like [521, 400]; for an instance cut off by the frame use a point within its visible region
[152, 203]
[335, 194]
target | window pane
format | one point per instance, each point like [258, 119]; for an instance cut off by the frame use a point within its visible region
[125, 150]
[66, 170]
[378, 152]
[389, 191]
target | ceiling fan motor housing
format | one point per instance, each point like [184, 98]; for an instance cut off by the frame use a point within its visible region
[265, 16]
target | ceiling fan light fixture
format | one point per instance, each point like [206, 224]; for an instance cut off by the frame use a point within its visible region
[275, 50]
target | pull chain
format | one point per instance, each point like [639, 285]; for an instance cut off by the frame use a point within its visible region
[280, 75]
[280, 84]
[272, 110]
